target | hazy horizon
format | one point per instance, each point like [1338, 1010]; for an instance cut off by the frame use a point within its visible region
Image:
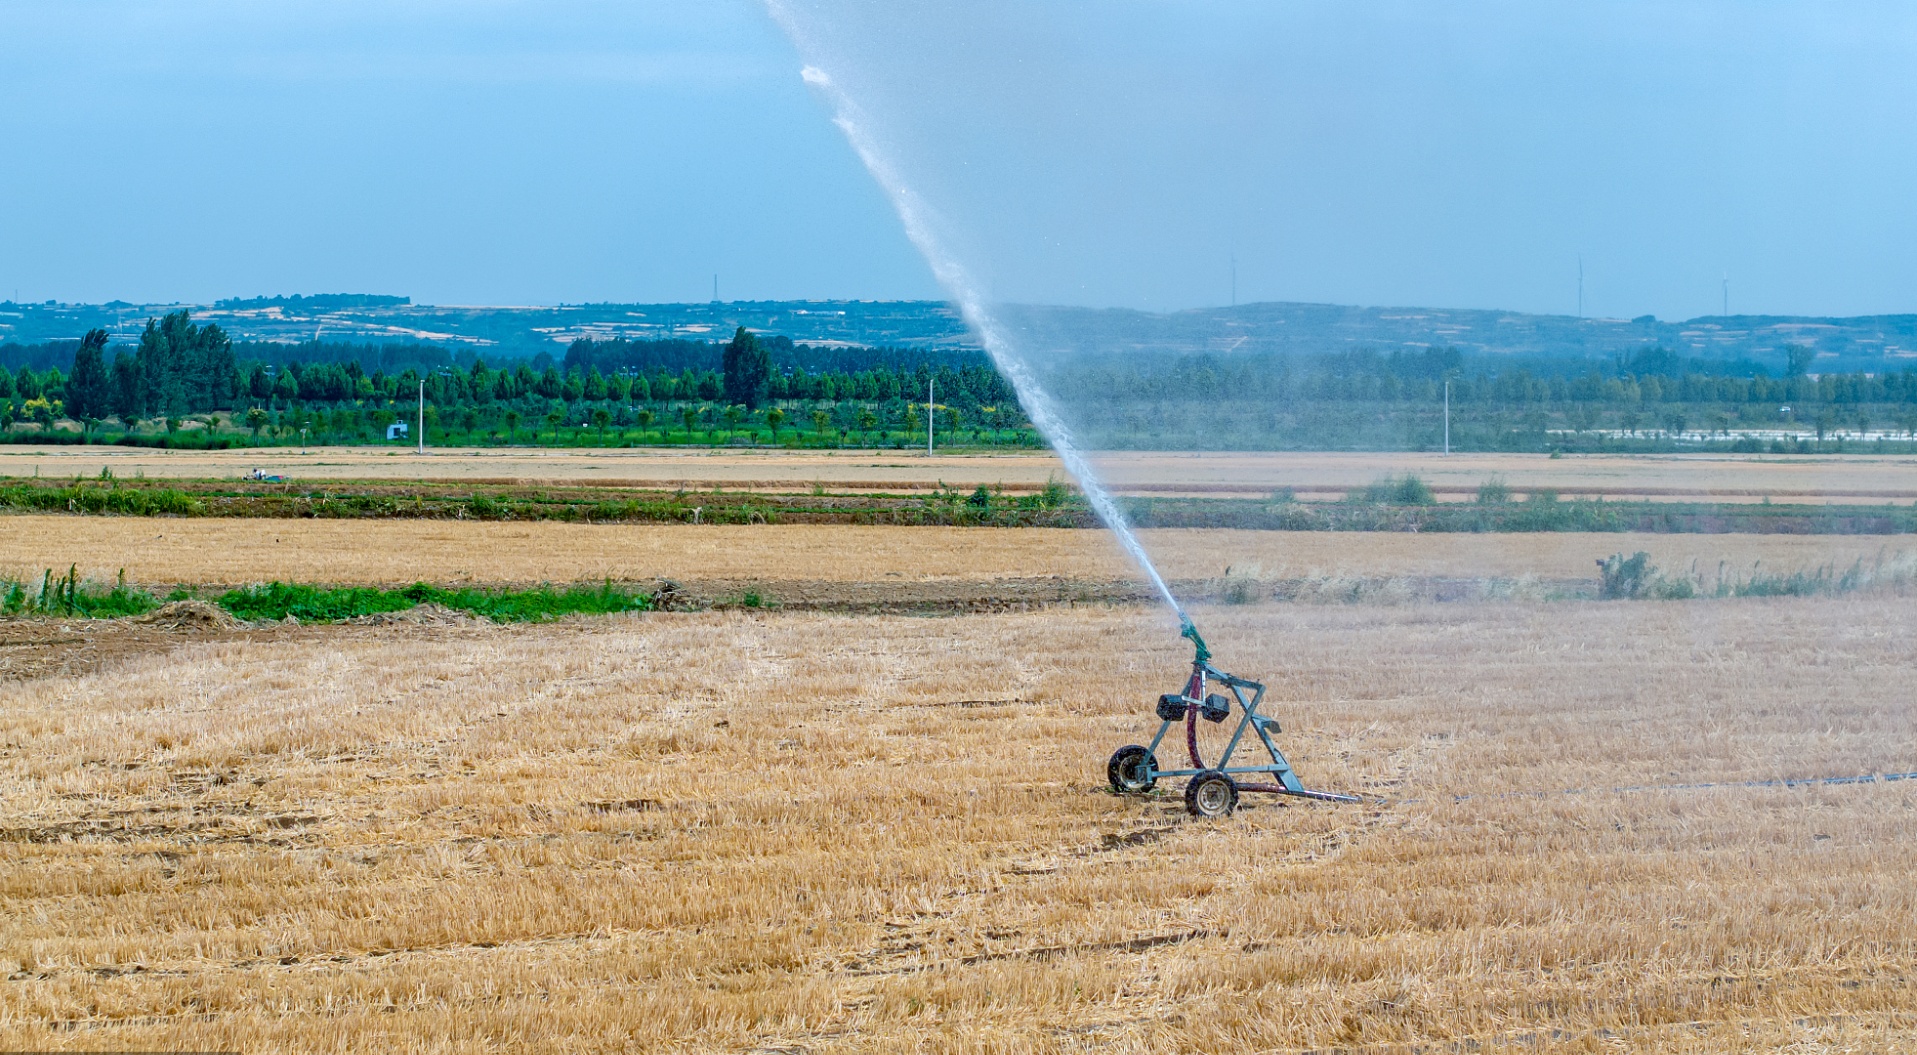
[930, 300]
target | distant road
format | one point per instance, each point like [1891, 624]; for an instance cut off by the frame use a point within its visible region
[1720, 477]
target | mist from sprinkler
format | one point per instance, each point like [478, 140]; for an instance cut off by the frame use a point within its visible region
[915, 216]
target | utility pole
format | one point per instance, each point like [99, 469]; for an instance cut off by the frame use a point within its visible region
[422, 416]
[1234, 280]
[1727, 295]
[930, 387]
[1580, 285]
[1447, 417]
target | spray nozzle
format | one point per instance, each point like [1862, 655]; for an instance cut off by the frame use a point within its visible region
[1189, 630]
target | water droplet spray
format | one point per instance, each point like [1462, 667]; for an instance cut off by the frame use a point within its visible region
[959, 285]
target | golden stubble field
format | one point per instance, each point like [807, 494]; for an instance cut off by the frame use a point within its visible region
[800, 832]
[157, 550]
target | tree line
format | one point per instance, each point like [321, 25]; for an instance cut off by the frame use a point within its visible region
[1650, 376]
[179, 370]
[757, 387]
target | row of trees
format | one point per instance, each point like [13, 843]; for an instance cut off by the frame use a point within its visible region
[1649, 377]
[182, 374]
[180, 368]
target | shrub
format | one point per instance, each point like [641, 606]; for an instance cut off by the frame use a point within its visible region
[1054, 495]
[1392, 490]
[1241, 589]
[1636, 578]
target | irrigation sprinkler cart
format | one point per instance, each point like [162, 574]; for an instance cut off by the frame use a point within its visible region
[1212, 790]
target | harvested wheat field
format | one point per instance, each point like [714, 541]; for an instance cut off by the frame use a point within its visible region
[1721, 477]
[801, 832]
[211, 550]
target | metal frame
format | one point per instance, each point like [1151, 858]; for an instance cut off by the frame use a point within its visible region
[1287, 782]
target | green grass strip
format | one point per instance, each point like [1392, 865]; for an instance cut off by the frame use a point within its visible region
[324, 604]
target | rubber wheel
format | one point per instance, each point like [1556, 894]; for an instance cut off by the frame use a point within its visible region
[1211, 794]
[1131, 769]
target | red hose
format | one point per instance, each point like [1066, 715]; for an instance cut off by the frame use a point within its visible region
[1191, 735]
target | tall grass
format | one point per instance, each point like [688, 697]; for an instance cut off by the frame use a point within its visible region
[98, 499]
[71, 595]
[1897, 575]
[1636, 578]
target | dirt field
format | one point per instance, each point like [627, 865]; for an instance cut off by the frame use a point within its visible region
[173, 550]
[732, 832]
[1859, 478]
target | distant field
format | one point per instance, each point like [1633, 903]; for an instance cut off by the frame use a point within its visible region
[1730, 478]
[170, 550]
[735, 832]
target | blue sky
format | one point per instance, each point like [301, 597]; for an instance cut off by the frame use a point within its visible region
[1462, 153]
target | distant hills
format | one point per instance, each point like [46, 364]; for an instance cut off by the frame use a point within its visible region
[1866, 343]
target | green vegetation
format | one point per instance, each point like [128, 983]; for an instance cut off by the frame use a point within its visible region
[69, 595]
[79, 497]
[278, 600]
[1055, 506]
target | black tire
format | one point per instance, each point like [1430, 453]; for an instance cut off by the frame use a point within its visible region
[1211, 794]
[1129, 768]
